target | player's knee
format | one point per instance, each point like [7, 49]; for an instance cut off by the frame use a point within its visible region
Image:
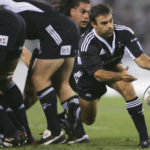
[63, 88]
[89, 121]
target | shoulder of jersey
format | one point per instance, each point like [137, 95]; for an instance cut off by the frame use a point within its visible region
[123, 28]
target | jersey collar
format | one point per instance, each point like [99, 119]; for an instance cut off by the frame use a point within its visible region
[111, 48]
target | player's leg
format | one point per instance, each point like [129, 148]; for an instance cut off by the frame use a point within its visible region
[42, 71]
[89, 91]
[12, 91]
[7, 68]
[8, 127]
[15, 32]
[54, 49]
[66, 94]
[134, 107]
[88, 110]
[30, 95]
[12, 115]
[61, 80]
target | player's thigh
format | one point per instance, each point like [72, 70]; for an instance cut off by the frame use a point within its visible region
[64, 72]
[45, 68]
[126, 89]
[61, 78]
[88, 110]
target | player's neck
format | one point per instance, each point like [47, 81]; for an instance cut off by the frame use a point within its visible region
[109, 40]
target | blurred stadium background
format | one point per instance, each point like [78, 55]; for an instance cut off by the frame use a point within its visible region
[134, 14]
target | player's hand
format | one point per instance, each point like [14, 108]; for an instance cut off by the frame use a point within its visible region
[125, 76]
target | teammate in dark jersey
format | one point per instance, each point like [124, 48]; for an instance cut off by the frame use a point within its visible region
[58, 37]
[78, 11]
[98, 64]
[12, 37]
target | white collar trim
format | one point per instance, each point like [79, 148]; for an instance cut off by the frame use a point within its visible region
[111, 49]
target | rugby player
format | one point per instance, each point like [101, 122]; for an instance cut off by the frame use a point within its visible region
[78, 11]
[99, 64]
[12, 37]
[58, 37]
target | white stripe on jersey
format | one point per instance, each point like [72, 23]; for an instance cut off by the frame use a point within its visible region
[130, 54]
[121, 27]
[19, 6]
[140, 46]
[87, 41]
[54, 34]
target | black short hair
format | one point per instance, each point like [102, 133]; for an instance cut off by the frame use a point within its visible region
[98, 10]
[66, 5]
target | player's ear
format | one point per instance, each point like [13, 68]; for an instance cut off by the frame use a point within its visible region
[93, 24]
[72, 12]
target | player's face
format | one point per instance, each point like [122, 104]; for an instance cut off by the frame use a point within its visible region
[104, 26]
[80, 14]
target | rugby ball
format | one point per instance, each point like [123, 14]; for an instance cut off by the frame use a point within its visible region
[146, 95]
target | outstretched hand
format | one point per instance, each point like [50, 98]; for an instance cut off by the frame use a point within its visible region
[125, 76]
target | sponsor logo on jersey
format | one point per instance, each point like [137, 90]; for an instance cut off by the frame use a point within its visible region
[65, 50]
[77, 76]
[120, 44]
[102, 52]
[3, 40]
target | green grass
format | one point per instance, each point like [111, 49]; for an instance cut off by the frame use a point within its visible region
[113, 129]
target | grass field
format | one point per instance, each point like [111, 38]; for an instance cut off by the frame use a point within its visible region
[113, 129]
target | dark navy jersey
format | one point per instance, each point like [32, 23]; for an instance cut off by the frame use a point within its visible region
[57, 33]
[12, 35]
[37, 16]
[96, 53]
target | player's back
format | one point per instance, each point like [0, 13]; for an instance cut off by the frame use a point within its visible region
[37, 15]
[19, 6]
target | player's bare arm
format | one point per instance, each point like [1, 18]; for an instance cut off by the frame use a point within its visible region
[143, 61]
[103, 75]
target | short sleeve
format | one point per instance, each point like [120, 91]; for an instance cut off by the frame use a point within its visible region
[133, 46]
